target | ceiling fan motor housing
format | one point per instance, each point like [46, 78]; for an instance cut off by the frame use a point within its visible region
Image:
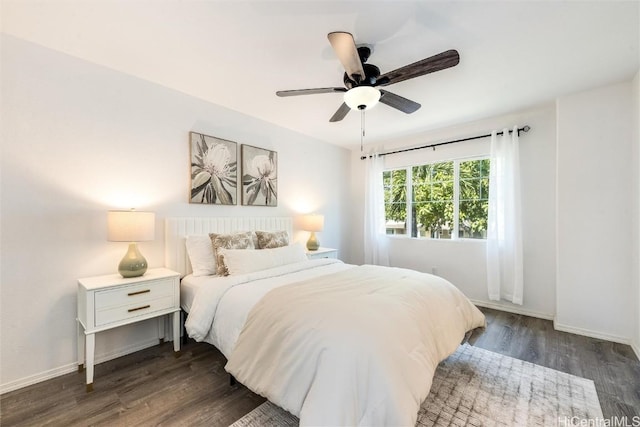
[371, 77]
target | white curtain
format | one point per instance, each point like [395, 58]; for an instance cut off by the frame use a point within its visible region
[504, 231]
[375, 242]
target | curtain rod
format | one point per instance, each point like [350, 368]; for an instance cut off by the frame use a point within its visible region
[524, 128]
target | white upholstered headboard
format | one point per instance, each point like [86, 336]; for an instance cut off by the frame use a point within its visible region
[177, 229]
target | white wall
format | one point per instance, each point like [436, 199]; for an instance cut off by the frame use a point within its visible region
[636, 210]
[594, 213]
[463, 262]
[79, 139]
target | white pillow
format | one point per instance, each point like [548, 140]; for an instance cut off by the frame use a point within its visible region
[238, 240]
[200, 251]
[239, 261]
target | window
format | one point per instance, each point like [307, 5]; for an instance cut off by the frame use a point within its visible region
[448, 200]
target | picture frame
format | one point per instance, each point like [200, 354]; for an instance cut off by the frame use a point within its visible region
[259, 176]
[214, 170]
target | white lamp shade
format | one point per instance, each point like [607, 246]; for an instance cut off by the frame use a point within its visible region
[312, 222]
[362, 95]
[131, 226]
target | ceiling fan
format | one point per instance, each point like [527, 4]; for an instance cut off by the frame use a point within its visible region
[361, 79]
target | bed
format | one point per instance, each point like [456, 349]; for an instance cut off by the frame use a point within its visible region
[332, 343]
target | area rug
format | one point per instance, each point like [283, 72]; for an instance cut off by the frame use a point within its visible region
[477, 387]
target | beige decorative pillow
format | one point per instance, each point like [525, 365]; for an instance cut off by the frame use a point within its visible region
[241, 240]
[272, 239]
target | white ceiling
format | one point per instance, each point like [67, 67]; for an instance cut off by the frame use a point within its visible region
[238, 54]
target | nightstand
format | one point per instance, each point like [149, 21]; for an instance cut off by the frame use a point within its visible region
[323, 253]
[106, 302]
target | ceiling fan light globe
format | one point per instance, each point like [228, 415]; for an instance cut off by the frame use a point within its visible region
[362, 95]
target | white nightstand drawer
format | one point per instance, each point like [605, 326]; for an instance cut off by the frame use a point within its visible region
[323, 253]
[133, 294]
[140, 308]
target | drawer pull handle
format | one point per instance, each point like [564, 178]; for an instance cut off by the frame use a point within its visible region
[138, 308]
[138, 293]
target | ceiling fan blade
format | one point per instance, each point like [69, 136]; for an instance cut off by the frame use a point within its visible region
[297, 92]
[346, 51]
[441, 61]
[341, 113]
[398, 102]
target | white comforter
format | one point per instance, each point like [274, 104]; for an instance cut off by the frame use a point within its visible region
[358, 347]
[222, 304]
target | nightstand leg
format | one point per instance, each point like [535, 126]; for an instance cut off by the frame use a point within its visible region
[90, 353]
[80, 332]
[161, 332]
[176, 333]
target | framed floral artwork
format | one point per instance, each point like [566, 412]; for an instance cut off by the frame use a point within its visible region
[259, 176]
[214, 170]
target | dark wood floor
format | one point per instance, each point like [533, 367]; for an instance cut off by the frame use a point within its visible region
[151, 387]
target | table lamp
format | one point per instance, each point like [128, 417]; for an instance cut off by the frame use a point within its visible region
[131, 226]
[312, 223]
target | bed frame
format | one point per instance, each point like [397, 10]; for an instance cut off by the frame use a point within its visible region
[177, 229]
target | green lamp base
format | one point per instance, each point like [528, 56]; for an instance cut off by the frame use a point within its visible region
[312, 243]
[133, 264]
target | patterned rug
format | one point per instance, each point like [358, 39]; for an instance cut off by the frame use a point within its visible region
[478, 387]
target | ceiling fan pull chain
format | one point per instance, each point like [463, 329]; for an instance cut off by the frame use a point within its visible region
[361, 129]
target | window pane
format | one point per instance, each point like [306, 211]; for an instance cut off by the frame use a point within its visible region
[432, 201]
[474, 199]
[421, 174]
[433, 220]
[395, 200]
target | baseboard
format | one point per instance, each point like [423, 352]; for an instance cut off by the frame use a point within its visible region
[39, 377]
[512, 309]
[73, 367]
[592, 334]
[636, 349]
